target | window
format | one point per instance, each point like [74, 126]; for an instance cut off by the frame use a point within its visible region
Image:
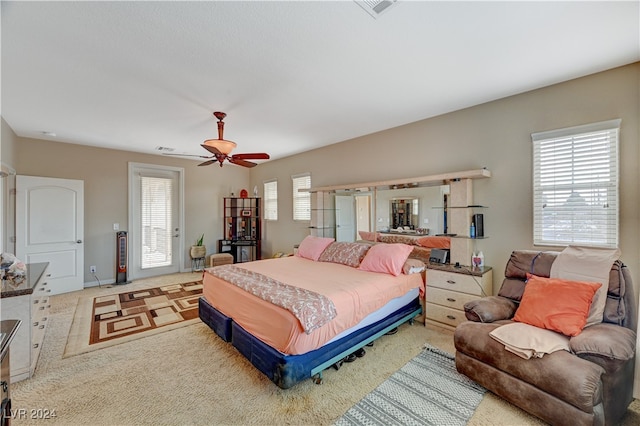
[575, 185]
[271, 200]
[301, 200]
[156, 209]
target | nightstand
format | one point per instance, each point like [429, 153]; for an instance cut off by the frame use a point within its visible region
[449, 288]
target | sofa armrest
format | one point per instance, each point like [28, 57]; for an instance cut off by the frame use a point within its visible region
[490, 309]
[607, 345]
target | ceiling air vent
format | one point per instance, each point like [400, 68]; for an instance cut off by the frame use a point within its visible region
[375, 8]
[164, 149]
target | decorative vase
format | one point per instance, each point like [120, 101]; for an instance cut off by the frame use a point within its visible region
[198, 252]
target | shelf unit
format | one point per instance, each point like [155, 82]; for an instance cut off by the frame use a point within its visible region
[323, 215]
[242, 229]
[459, 216]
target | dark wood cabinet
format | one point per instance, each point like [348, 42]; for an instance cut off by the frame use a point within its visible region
[242, 229]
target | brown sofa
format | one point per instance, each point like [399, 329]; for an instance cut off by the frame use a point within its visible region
[591, 385]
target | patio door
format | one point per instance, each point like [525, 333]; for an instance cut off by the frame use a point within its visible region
[155, 218]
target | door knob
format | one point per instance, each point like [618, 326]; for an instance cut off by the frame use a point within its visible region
[79, 241]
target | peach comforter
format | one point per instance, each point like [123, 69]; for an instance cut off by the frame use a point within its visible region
[354, 293]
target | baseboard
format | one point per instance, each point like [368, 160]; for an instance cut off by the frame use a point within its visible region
[99, 283]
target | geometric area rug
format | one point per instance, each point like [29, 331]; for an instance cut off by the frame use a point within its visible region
[104, 321]
[426, 391]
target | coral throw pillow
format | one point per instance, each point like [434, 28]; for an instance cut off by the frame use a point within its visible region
[556, 304]
[435, 242]
[312, 247]
[368, 236]
[386, 258]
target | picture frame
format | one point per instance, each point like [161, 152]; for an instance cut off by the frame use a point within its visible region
[245, 213]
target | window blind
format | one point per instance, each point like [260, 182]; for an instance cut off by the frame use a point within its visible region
[575, 185]
[301, 200]
[271, 200]
[156, 221]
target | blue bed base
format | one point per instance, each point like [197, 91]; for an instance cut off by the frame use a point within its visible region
[287, 370]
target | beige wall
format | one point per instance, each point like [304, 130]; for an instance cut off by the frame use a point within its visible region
[496, 135]
[104, 173]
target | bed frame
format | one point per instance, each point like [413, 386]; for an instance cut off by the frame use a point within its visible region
[287, 370]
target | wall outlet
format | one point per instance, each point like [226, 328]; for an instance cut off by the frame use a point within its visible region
[92, 269]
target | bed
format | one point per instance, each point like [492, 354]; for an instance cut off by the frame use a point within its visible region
[351, 295]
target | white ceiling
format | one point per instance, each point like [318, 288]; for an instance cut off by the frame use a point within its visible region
[292, 76]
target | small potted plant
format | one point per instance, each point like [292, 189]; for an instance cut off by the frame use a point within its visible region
[198, 250]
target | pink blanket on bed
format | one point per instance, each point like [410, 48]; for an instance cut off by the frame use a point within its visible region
[313, 310]
[354, 293]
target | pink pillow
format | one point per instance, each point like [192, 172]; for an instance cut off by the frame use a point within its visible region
[368, 236]
[386, 258]
[312, 247]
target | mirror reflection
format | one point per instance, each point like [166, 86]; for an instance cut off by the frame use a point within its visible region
[410, 211]
[416, 210]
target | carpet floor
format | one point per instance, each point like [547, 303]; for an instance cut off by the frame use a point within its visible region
[189, 376]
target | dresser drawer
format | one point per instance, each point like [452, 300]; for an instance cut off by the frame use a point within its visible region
[445, 315]
[455, 282]
[448, 298]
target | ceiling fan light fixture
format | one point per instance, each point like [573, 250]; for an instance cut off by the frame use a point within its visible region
[222, 145]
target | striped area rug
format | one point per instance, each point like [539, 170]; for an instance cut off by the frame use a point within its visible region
[426, 391]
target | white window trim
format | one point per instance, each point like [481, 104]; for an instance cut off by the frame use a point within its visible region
[267, 200]
[301, 200]
[556, 185]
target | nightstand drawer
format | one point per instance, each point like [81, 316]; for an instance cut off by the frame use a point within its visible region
[442, 314]
[448, 298]
[455, 282]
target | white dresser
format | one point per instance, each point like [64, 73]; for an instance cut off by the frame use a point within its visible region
[28, 302]
[449, 288]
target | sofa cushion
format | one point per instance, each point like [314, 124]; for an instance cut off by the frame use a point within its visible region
[556, 304]
[608, 342]
[587, 264]
[490, 309]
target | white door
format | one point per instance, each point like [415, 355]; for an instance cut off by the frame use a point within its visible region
[155, 220]
[345, 218]
[50, 228]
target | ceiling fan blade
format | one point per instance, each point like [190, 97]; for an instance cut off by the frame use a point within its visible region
[206, 163]
[188, 155]
[241, 162]
[211, 149]
[251, 156]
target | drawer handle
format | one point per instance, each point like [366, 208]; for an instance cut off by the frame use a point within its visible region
[48, 290]
[451, 317]
[42, 308]
[41, 327]
[35, 345]
[35, 324]
[43, 319]
[35, 302]
[451, 282]
[450, 299]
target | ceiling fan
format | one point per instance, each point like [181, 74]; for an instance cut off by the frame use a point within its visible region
[221, 148]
